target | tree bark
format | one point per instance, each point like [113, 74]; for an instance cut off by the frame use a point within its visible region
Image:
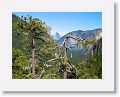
[33, 56]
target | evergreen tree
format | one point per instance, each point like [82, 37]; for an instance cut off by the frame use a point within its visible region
[31, 30]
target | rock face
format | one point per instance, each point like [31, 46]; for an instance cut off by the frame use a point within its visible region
[87, 35]
[98, 34]
[79, 52]
[56, 36]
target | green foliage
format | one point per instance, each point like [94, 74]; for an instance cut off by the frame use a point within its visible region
[47, 51]
[24, 30]
[19, 64]
[91, 69]
[86, 43]
[19, 58]
[27, 28]
[51, 73]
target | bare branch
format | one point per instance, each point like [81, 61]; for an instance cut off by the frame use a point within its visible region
[45, 65]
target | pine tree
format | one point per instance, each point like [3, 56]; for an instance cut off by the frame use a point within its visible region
[31, 30]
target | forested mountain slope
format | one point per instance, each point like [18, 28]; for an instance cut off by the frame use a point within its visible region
[35, 55]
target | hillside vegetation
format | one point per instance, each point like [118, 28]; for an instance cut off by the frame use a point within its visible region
[36, 55]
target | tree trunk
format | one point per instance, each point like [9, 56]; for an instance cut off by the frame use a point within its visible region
[65, 59]
[33, 57]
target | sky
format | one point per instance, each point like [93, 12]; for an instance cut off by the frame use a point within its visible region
[64, 22]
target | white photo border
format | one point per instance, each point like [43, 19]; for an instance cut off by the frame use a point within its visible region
[104, 84]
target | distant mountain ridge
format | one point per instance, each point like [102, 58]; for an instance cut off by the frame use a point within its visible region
[87, 35]
[78, 52]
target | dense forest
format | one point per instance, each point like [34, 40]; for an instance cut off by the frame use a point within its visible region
[36, 55]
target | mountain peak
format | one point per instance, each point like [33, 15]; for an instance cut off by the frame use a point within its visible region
[56, 36]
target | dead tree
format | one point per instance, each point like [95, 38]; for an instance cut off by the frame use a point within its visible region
[64, 58]
[65, 53]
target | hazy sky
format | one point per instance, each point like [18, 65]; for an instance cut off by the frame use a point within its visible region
[64, 22]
